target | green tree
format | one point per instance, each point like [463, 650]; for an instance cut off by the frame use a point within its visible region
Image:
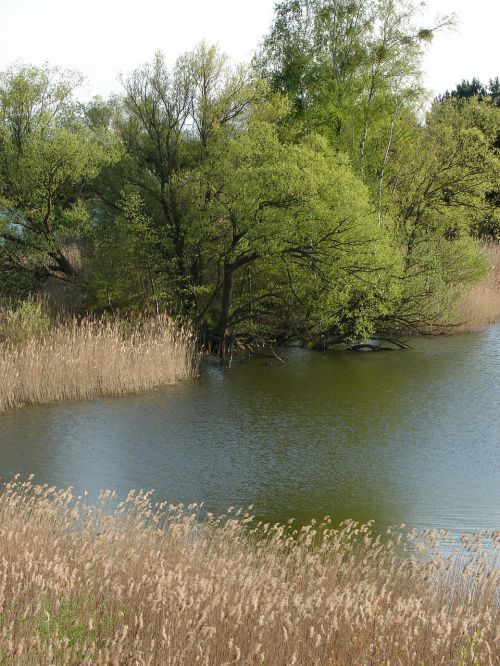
[121, 270]
[48, 157]
[473, 105]
[169, 120]
[353, 73]
[350, 68]
[438, 183]
[241, 222]
[291, 232]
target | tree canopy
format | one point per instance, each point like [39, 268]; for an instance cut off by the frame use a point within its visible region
[304, 195]
[48, 158]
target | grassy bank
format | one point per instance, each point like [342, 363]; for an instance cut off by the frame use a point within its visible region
[142, 586]
[480, 306]
[75, 360]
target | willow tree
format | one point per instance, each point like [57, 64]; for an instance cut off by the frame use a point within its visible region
[170, 118]
[291, 237]
[246, 230]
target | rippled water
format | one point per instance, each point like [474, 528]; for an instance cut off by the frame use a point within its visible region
[409, 437]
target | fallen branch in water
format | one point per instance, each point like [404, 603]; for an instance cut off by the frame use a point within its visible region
[398, 343]
[272, 355]
[368, 347]
[378, 348]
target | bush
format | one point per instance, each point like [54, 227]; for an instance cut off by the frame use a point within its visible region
[21, 321]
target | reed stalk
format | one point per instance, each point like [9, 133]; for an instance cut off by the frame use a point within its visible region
[480, 305]
[95, 357]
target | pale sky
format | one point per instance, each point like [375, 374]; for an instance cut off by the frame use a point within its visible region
[102, 38]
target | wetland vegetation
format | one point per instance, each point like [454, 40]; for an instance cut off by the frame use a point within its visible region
[316, 195]
[315, 192]
[151, 584]
[87, 358]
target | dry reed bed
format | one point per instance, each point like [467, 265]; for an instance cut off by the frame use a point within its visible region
[480, 306]
[154, 585]
[95, 357]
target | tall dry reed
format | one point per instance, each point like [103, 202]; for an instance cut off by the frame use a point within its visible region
[154, 585]
[90, 358]
[480, 306]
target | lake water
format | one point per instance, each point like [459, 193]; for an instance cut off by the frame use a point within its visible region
[410, 436]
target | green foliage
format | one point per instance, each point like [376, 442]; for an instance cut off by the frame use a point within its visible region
[48, 157]
[438, 180]
[349, 67]
[121, 271]
[301, 196]
[352, 71]
[24, 320]
[475, 90]
[65, 621]
[474, 106]
[297, 215]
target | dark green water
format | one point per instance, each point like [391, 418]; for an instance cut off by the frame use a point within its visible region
[409, 437]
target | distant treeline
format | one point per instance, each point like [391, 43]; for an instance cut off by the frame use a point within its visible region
[303, 195]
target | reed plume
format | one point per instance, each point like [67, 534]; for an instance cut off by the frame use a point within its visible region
[158, 585]
[95, 357]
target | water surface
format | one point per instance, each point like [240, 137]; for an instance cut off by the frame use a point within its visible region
[409, 437]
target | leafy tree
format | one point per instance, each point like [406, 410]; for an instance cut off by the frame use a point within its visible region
[475, 106]
[438, 185]
[310, 203]
[312, 54]
[169, 120]
[352, 71]
[47, 159]
[121, 270]
[299, 220]
[238, 222]
[350, 67]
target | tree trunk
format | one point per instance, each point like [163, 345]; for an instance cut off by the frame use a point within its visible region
[63, 266]
[386, 159]
[220, 331]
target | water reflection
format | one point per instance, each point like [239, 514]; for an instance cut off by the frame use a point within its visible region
[408, 437]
